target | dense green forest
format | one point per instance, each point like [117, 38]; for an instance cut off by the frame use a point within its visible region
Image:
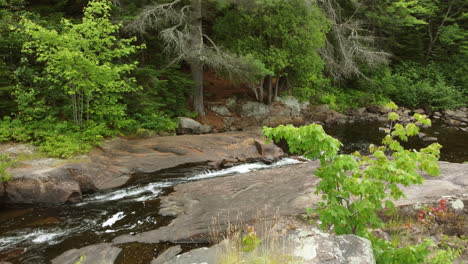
[74, 71]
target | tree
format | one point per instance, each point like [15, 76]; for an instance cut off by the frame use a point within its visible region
[284, 35]
[350, 44]
[80, 64]
[180, 27]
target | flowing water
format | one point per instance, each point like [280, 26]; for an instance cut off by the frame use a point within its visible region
[36, 234]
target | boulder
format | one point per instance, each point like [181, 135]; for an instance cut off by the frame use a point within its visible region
[452, 122]
[378, 109]
[190, 126]
[292, 103]
[306, 246]
[315, 247]
[167, 255]
[220, 110]
[43, 185]
[419, 111]
[104, 253]
[255, 109]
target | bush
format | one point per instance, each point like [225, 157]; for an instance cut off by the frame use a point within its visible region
[55, 138]
[355, 187]
[344, 99]
[414, 85]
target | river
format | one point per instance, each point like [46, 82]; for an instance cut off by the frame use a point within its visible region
[37, 234]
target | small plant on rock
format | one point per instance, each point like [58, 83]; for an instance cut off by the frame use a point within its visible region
[354, 187]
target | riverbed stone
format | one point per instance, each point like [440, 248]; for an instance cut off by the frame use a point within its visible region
[42, 185]
[105, 253]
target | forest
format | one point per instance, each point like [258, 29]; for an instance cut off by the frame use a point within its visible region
[347, 164]
[73, 72]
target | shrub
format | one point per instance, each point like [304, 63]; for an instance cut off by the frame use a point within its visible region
[414, 85]
[355, 187]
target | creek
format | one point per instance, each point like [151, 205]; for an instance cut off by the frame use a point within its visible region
[38, 233]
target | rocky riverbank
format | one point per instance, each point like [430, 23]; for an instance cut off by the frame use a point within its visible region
[119, 161]
[199, 207]
[235, 114]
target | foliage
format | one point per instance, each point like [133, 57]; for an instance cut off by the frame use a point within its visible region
[164, 90]
[250, 241]
[79, 66]
[354, 187]
[5, 163]
[284, 35]
[415, 85]
[445, 256]
[344, 99]
[56, 138]
[386, 252]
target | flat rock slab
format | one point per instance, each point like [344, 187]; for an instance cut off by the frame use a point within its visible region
[104, 253]
[243, 198]
[120, 160]
[199, 206]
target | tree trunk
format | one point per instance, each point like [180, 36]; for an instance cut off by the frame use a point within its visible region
[197, 75]
[270, 89]
[196, 66]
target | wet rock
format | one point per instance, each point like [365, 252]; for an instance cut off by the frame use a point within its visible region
[190, 126]
[429, 139]
[419, 111]
[167, 255]
[228, 200]
[119, 160]
[437, 114]
[104, 253]
[220, 110]
[452, 122]
[458, 114]
[264, 194]
[43, 185]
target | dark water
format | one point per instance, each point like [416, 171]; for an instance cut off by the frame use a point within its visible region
[357, 137]
[37, 234]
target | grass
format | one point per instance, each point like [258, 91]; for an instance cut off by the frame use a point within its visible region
[242, 243]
